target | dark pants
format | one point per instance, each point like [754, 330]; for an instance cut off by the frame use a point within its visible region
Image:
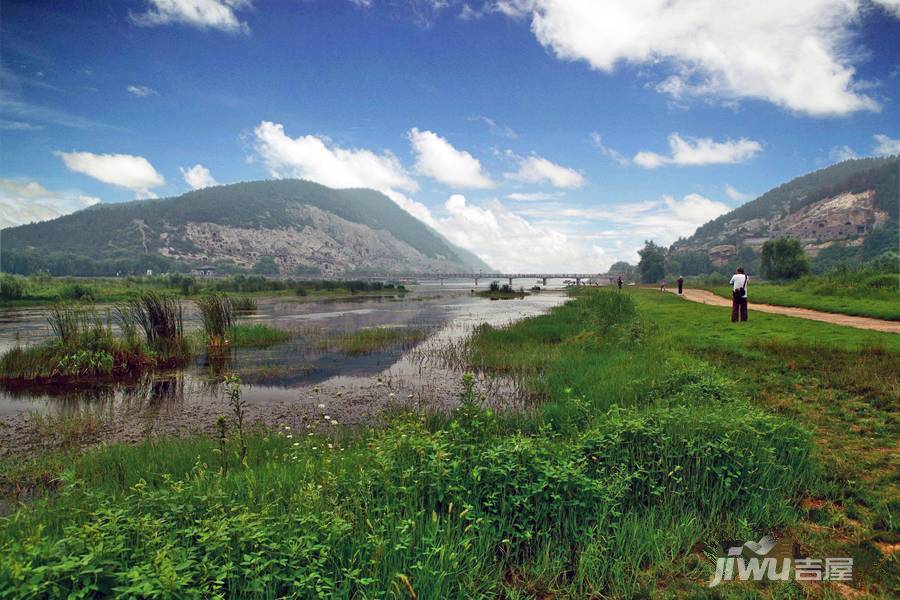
[680, 288]
[738, 305]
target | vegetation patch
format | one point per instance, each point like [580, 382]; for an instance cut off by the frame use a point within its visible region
[373, 339]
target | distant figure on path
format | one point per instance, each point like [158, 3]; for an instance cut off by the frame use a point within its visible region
[739, 295]
[662, 285]
[619, 282]
[680, 282]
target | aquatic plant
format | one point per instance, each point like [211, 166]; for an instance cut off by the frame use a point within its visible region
[217, 317]
[161, 319]
[243, 304]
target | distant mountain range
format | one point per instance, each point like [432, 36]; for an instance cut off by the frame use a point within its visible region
[291, 227]
[833, 210]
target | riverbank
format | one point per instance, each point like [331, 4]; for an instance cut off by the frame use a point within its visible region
[658, 430]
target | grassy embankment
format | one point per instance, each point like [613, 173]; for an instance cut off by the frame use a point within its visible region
[655, 433]
[861, 294]
[35, 290]
[148, 334]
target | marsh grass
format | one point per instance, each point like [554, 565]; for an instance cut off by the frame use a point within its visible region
[217, 318]
[161, 319]
[257, 335]
[374, 339]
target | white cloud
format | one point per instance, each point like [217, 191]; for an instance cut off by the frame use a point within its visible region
[885, 146]
[496, 129]
[612, 153]
[509, 242]
[28, 202]
[123, 170]
[841, 153]
[141, 91]
[198, 177]
[699, 151]
[203, 14]
[438, 159]
[737, 196]
[536, 169]
[17, 125]
[318, 159]
[797, 54]
[534, 196]
[891, 6]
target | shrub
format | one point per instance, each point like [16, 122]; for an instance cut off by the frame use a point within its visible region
[11, 287]
[76, 291]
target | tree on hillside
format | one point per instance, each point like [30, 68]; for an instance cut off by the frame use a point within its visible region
[265, 266]
[653, 262]
[783, 259]
[622, 268]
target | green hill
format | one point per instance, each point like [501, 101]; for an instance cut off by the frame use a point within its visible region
[301, 227]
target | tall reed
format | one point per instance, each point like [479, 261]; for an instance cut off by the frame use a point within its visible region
[161, 319]
[217, 316]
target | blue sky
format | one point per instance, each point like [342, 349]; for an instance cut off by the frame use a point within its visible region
[537, 133]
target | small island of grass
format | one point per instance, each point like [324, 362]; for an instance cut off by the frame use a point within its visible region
[501, 292]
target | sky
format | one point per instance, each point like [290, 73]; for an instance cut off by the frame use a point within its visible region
[540, 134]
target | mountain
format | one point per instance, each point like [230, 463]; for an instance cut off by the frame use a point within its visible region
[294, 226]
[833, 211]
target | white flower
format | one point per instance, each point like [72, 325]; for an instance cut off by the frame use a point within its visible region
[327, 417]
[296, 443]
[322, 406]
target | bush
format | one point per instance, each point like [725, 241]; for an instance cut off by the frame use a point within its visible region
[11, 287]
[76, 291]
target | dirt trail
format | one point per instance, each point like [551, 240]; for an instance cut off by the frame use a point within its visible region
[705, 297]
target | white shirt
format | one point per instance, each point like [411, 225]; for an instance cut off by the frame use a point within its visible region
[739, 281]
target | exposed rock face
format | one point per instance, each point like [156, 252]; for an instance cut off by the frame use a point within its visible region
[818, 225]
[326, 242]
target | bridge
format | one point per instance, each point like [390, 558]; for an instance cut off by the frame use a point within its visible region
[577, 277]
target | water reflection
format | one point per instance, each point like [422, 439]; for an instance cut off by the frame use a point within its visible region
[299, 373]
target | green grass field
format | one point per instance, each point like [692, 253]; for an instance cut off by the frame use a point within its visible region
[879, 304]
[658, 429]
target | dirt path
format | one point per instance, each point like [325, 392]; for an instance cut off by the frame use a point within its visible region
[705, 297]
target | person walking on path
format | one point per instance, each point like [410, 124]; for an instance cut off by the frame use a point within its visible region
[662, 285]
[680, 282]
[739, 295]
[619, 282]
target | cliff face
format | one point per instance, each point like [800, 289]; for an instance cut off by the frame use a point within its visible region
[304, 228]
[839, 205]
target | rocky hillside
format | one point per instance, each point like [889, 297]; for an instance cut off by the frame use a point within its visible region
[839, 206]
[296, 227]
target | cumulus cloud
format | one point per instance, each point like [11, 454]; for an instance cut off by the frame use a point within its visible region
[318, 159]
[438, 159]
[891, 6]
[510, 242]
[536, 169]
[737, 196]
[141, 91]
[29, 202]
[202, 14]
[123, 170]
[198, 177]
[798, 55]
[699, 151]
[885, 146]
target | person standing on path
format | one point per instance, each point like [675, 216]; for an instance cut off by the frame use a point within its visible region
[619, 282]
[739, 295]
[680, 282]
[662, 285]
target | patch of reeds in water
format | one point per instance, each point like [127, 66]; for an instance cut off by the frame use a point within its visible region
[161, 319]
[217, 316]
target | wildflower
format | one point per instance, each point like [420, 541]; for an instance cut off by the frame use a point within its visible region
[391, 395]
[410, 397]
[290, 436]
[327, 417]
[287, 427]
[334, 422]
[339, 394]
[296, 443]
[330, 446]
[321, 406]
[315, 448]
